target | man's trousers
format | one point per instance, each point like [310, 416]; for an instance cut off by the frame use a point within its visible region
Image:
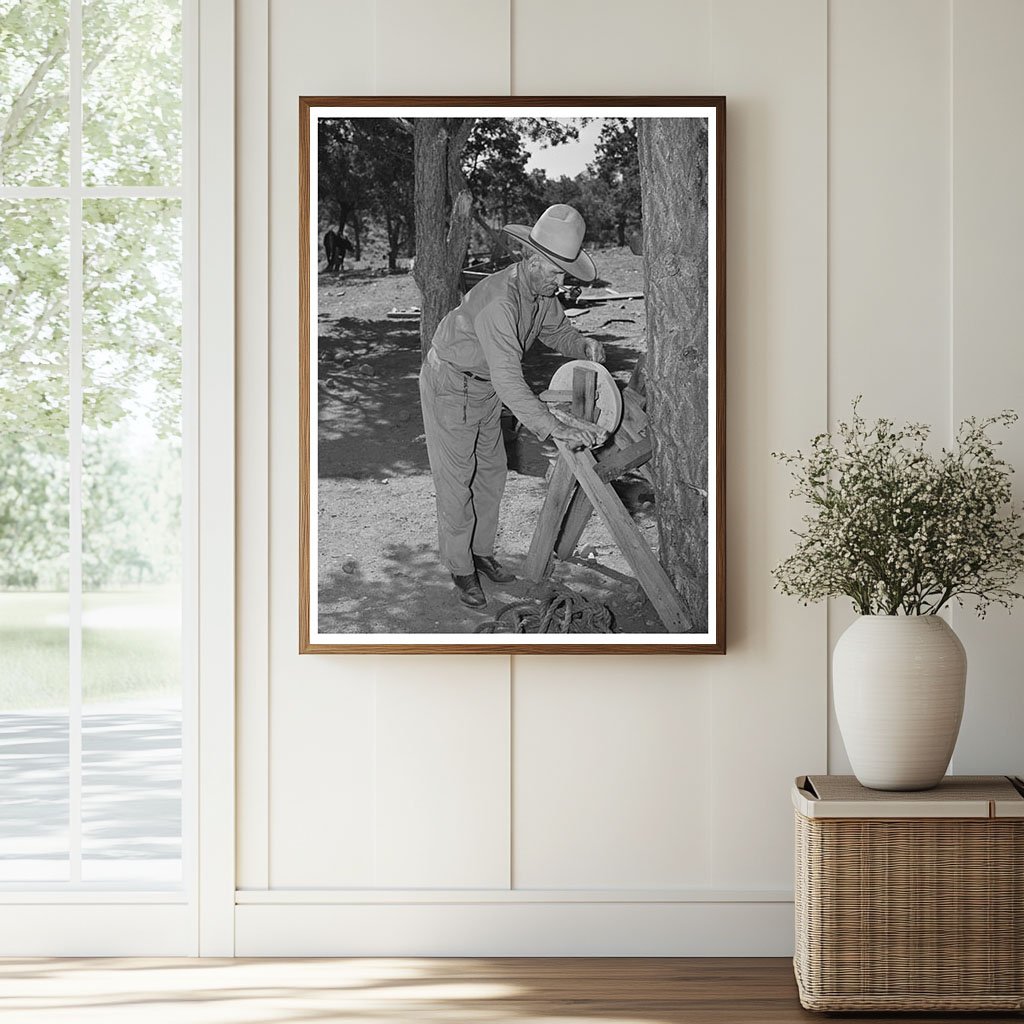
[462, 421]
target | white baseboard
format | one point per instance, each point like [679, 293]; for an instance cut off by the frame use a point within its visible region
[99, 928]
[514, 928]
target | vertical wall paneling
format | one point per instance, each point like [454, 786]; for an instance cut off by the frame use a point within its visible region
[769, 692]
[611, 782]
[442, 774]
[323, 758]
[321, 708]
[988, 332]
[576, 47]
[888, 223]
[252, 461]
[442, 48]
[889, 203]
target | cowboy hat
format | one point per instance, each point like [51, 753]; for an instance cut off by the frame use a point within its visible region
[558, 235]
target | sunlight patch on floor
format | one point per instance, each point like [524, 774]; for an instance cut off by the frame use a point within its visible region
[218, 991]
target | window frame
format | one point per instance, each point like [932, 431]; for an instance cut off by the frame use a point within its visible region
[69, 918]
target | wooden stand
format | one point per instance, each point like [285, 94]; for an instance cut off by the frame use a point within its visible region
[581, 483]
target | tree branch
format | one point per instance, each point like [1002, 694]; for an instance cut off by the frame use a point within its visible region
[14, 352]
[99, 58]
[459, 130]
[58, 44]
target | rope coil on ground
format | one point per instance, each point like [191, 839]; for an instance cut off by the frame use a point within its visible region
[559, 610]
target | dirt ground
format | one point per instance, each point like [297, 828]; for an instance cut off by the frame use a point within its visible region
[377, 528]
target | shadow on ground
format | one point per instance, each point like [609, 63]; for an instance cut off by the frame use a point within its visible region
[370, 421]
[419, 596]
[131, 785]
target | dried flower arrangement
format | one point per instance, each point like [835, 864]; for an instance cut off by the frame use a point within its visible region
[900, 530]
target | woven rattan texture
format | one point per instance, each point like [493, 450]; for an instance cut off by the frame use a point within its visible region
[959, 787]
[915, 914]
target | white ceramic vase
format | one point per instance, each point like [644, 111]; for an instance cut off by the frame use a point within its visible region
[898, 684]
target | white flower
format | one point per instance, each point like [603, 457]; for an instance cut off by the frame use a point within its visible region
[898, 529]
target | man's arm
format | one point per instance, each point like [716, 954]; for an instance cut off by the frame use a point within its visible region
[495, 330]
[556, 332]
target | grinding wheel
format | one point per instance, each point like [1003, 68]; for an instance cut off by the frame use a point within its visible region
[608, 400]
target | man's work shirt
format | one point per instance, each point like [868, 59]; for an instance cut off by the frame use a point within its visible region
[492, 329]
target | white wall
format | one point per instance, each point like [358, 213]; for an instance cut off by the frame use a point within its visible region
[618, 805]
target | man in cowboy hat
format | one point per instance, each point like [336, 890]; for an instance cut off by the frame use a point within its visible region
[474, 366]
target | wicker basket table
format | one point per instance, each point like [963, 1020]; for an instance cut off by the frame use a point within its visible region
[910, 901]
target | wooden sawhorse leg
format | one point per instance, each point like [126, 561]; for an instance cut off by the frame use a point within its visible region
[542, 547]
[613, 465]
[651, 576]
[562, 485]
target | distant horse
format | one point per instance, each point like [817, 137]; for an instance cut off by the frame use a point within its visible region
[336, 245]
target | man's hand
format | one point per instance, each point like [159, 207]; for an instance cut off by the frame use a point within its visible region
[594, 350]
[577, 433]
[584, 436]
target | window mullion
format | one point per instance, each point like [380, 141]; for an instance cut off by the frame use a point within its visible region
[34, 192]
[75, 333]
[95, 191]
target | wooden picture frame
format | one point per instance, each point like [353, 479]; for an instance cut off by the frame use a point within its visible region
[370, 577]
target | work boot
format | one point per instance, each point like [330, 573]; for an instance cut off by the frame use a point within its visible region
[468, 590]
[493, 569]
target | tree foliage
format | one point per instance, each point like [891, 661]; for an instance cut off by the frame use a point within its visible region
[592, 197]
[33, 92]
[494, 162]
[34, 319]
[131, 509]
[132, 314]
[366, 178]
[616, 170]
[365, 169]
[131, 303]
[131, 92]
[340, 181]
[33, 514]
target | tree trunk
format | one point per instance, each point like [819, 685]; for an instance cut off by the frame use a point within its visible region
[357, 235]
[344, 212]
[444, 217]
[393, 230]
[674, 182]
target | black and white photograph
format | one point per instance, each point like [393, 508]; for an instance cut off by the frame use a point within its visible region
[512, 375]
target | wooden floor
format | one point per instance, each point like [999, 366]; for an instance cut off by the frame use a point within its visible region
[413, 991]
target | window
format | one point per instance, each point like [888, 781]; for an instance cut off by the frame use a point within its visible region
[95, 463]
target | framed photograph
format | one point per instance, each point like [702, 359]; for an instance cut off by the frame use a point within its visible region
[512, 375]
